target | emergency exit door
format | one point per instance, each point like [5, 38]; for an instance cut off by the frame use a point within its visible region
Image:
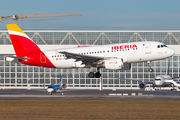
[147, 48]
[42, 58]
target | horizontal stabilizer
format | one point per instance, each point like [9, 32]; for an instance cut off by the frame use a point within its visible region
[15, 59]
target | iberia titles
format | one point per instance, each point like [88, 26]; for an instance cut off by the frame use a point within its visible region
[123, 47]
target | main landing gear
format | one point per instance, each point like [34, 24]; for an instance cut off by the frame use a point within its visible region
[96, 75]
[149, 64]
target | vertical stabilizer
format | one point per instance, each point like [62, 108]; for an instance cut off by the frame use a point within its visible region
[21, 42]
[60, 83]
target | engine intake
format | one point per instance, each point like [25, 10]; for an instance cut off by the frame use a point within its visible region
[142, 86]
[63, 86]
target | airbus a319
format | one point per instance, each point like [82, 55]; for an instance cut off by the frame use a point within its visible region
[117, 56]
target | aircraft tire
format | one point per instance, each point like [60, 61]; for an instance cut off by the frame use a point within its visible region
[97, 75]
[150, 70]
[91, 75]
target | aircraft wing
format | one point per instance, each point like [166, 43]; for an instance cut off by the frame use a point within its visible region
[147, 82]
[177, 82]
[84, 58]
[175, 77]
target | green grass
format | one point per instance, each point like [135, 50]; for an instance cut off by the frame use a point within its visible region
[89, 109]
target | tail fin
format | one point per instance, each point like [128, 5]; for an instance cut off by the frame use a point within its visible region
[21, 42]
[60, 79]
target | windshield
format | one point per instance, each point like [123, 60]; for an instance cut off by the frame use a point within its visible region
[50, 87]
[157, 79]
[161, 46]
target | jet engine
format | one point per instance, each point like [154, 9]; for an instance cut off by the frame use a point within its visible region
[117, 64]
[63, 86]
[142, 86]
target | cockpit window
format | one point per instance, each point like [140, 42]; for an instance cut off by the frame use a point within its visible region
[50, 87]
[161, 46]
[157, 79]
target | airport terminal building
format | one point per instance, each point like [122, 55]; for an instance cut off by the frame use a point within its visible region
[13, 75]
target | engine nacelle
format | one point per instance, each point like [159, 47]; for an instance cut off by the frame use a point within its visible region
[116, 64]
[63, 86]
[142, 86]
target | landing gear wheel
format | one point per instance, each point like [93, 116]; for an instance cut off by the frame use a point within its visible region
[150, 70]
[97, 74]
[91, 74]
[50, 93]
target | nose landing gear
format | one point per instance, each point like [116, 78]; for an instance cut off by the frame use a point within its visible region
[149, 64]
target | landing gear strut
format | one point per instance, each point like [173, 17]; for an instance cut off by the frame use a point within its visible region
[96, 75]
[149, 64]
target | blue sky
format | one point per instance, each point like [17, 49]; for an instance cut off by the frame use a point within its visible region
[96, 14]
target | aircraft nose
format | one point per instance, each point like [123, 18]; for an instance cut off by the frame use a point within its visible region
[49, 90]
[170, 52]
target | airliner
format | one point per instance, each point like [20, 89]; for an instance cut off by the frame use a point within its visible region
[56, 88]
[160, 81]
[117, 56]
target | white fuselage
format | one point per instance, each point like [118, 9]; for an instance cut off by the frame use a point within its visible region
[130, 52]
[162, 81]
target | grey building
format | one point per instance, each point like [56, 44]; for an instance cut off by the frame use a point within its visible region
[13, 75]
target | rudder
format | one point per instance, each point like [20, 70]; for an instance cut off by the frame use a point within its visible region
[21, 42]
